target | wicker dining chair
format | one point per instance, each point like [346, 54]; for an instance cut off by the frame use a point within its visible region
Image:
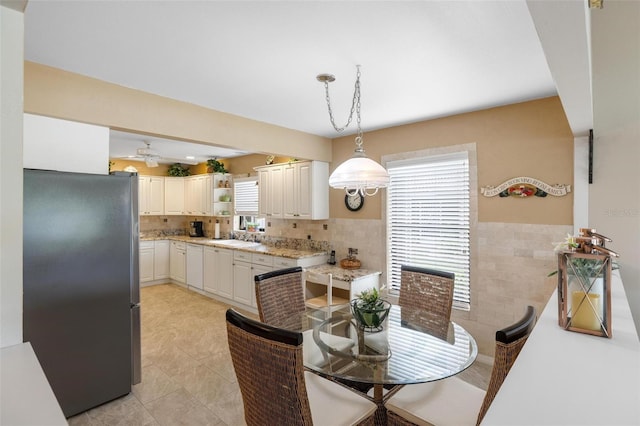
[453, 401]
[275, 388]
[279, 295]
[430, 294]
[280, 300]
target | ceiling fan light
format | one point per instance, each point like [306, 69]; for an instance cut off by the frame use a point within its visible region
[360, 174]
[150, 162]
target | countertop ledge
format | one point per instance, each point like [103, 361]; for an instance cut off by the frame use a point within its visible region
[257, 248]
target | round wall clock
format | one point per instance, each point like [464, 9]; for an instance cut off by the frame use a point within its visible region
[354, 202]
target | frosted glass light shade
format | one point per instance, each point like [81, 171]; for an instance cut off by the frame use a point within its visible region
[360, 174]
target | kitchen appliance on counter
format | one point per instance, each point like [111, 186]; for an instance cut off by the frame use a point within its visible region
[195, 229]
[81, 291]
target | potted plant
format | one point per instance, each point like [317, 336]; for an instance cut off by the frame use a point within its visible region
[178, 169]
[215, 166]
[370, 310]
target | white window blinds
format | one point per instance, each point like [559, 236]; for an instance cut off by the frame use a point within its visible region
[428, 219]
[245, 192]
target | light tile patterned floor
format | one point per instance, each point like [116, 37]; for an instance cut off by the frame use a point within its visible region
[187, 375]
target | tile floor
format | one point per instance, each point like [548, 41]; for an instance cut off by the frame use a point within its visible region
[187, 374]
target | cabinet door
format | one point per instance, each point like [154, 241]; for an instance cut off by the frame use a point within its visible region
[242, 286]
[146, 262]
[304, 190]
[156, 195]
[218, 271]
[290, 191]
[174, 196]
[209, 270]
[206, 194]
[143, 195]
[195, 263]
[150, 195]
[177, 261]
[276, 191]
[161, 268]
[264, 201]
[224, 275]
[270, 201]
[191, 195]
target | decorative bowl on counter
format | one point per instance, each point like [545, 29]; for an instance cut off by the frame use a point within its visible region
[350, 263]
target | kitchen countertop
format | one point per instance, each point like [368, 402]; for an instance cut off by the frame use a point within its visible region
[342, 274]
[241, 245]
[27, 398]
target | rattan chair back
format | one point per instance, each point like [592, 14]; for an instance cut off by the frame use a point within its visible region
[279, 295]
[509, 343]
[430, 295]
[269, 367]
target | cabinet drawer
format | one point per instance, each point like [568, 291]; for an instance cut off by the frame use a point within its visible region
[283, 263]
[242, 256]
[262, 259]
[179, 244]
[148, 245]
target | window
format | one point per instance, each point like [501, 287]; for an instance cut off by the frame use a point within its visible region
[245, 195]
[428, 218]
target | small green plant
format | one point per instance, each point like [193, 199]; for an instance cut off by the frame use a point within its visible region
[216, 166]
[369, 299]
[370, 310]
[178, 169]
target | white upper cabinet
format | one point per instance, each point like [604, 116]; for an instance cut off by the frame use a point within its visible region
[270, 191]
[174, 196]
[198, 195]
[151, 195]
[298, 190]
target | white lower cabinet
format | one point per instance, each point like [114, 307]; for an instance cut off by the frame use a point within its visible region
[161, 259]
[218, 271]
[226, 273]
[195, 264]
[242, 285]
[145, 260]
[177, 261]
[154, 260]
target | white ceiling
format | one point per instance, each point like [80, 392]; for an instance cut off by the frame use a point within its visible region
[259, 59]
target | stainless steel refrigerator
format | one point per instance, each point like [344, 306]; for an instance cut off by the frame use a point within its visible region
[81, 283]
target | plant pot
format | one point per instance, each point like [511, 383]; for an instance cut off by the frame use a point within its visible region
[370, 319]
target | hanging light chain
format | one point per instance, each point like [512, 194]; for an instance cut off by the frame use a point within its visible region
[355, 105]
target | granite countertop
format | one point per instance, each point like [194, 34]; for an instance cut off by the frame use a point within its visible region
[342, 274]
[246, 246]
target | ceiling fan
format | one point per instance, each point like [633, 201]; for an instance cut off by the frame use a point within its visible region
[152, 158]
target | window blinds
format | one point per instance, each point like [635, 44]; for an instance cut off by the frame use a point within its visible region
[246, 196]
[428, 219]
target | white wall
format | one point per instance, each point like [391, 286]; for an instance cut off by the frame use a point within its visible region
[614, 198]
[11, 107]
[66, 146]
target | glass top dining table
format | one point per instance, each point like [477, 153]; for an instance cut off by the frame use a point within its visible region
[408, 349]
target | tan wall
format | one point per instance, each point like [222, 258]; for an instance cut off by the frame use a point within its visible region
[527, 139]
[56, 93]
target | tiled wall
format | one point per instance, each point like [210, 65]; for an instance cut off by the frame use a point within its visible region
[509, 271]
[512, 264]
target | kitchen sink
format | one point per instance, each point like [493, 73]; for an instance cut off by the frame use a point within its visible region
[236, 243]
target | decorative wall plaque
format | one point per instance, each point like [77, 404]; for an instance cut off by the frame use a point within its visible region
[523, 186]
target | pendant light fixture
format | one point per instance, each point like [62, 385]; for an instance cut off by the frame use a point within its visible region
[359, 173]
